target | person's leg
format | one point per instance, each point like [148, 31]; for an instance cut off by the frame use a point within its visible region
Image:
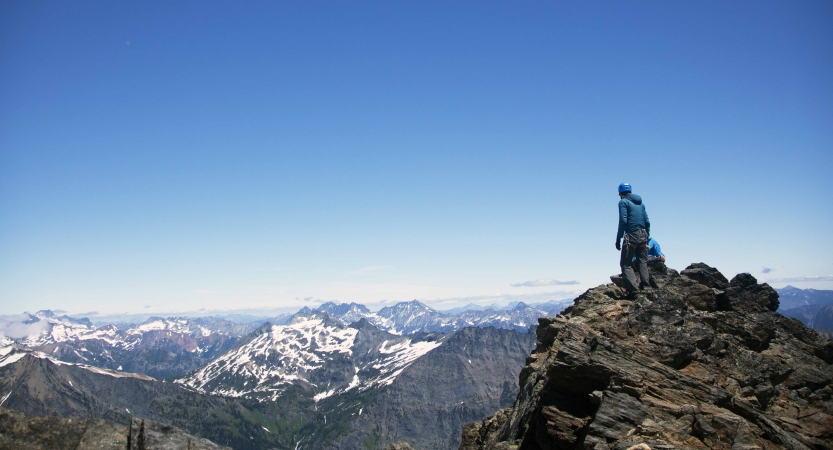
[625, 262]
[642, 261]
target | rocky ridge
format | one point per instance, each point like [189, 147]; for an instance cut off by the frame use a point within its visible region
[21, 431]
[697, 362]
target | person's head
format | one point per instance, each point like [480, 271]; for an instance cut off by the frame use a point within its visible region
[624, 189]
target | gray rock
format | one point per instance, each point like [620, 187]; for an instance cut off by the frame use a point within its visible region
[698, 362]
[744, 294]
[706, 275]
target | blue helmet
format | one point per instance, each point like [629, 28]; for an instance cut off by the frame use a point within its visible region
[625, 187]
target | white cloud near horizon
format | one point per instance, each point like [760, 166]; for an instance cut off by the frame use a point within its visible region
[801, 279]
[15, 326]
[544, 282]
[499, 298]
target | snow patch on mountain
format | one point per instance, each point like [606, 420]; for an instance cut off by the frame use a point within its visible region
[283, 354]
[315, 351]
[12, 354]
[44, 328]
[399, 356]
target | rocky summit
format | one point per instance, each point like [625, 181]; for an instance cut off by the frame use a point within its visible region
[696, 362]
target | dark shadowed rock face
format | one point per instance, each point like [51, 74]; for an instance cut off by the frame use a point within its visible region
[470, 375]
[21, 431]
[697, 362]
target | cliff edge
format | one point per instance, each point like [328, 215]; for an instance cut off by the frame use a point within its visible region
[697, 362]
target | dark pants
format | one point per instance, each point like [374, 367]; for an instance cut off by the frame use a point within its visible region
[635, 244]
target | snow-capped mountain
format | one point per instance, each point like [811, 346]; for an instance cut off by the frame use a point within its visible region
[415, 317]
[791, 297]
[470, 306]
[10, 353]
[158, 347]
[415, 381]
[315, 351]
[44, 327]
[347, 312]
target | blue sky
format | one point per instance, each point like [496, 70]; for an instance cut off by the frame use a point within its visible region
[173, 157]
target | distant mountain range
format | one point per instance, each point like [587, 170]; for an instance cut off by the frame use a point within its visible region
[159, 347]
[812, 307]
[170, 347]
[792, 297]
[416, 317]
[339, 376]
[312, 383]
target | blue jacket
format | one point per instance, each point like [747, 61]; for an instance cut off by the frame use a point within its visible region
[632, 216]
[654, 249]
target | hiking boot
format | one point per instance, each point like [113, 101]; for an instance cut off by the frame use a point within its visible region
[618, 280]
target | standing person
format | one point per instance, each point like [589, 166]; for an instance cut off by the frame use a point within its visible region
[635, 227]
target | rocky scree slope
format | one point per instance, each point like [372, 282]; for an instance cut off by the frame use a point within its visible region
[698, 362]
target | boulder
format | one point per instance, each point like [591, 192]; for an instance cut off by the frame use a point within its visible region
[706, 275]
[745, 294]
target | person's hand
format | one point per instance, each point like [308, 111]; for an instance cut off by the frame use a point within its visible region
[618, 245]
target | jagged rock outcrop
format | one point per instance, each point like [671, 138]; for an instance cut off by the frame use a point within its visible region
[19, 431]
[697, 362]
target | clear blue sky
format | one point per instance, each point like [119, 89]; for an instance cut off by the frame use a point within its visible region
[172, 156]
